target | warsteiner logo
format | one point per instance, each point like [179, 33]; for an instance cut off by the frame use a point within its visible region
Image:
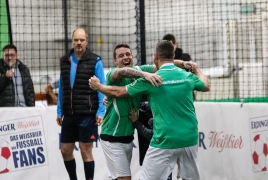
[259, 143]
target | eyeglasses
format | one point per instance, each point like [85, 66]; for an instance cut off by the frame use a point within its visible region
[9, 55]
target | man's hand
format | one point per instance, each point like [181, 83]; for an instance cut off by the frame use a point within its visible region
[132, 115]
[105, 101]
[190, 65]
[59, 120]
[94, 82]
[201, 76]
[9, 73]
[51, 94]
[99, 120]
[154, 79]
[195, 68]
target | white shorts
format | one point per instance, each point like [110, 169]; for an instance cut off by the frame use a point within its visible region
[159, 163]
[118, 158]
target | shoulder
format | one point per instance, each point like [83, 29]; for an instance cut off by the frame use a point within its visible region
[111, 70]
[146, 67]
[137, 67]
[192, 76]
[90, 55]
[2, 68]
[23, 68]
[109, 73]
[140, 83]
[67, 55]
[1, 63]
[20, 64]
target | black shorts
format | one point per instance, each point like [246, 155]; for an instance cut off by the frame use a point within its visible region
[79, 128]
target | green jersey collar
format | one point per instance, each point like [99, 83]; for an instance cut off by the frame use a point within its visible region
[166, 64]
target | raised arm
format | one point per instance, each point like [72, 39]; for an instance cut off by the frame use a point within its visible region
[194, 68]
[204, 78]
[190, 65]
[179, 63]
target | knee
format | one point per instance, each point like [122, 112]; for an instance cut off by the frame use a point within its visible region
[66, 154]
[86, 154]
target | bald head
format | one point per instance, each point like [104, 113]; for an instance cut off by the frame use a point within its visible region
[80, 30]
[80, 41]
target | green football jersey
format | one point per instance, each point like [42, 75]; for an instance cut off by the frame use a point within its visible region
[175, 124]
[116, 121]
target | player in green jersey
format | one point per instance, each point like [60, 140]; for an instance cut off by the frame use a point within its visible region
[117, 131]
[175, 134]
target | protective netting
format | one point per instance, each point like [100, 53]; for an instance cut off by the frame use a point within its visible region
[227, 38]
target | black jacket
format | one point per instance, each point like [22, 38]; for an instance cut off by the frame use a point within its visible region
[7, 91]
[180, 55]
[81, 99]
[145, 131]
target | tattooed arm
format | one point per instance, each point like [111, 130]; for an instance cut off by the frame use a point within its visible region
[121, 73]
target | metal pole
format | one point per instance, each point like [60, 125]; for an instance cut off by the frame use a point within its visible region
[142, 32]
[9, 23]
[64, 3]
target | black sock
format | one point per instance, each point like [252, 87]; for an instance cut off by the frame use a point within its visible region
[170, 177]
[89, 170]
[71, 169]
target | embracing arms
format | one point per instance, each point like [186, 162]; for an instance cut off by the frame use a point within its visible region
[110, 91]
[126, 72]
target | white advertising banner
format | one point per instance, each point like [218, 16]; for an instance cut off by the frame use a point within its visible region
[30, 147]
[232, 144]
[233, 141]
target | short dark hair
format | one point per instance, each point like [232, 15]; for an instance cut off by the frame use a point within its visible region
[170, 37]
[9, 46]
[82, 29]
[119, 46]
[165, 50]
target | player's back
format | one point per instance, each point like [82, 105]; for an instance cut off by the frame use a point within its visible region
[175, 123]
